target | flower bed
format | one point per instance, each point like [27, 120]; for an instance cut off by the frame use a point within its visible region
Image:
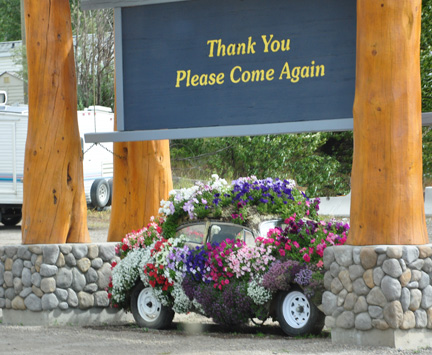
[228, 281]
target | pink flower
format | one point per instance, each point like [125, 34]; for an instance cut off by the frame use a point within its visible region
[282, 252]
[306, 257]
[320, 263]
[296, 245]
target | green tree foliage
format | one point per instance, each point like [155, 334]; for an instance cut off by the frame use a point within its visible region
[302, 157]
[10, 20]
[426, 77]
[426, 56]
[94, 55]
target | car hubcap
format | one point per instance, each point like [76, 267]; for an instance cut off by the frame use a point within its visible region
[149, 307]
[296, 309]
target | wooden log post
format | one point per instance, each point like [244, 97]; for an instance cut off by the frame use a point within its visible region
[142, 178]
[387, 195]
[54, 205]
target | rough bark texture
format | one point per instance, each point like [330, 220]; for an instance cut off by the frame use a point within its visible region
[142, 177]
[387, 194]
[54, 206]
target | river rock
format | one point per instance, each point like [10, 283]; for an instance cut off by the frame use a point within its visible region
[344, 277]
[101, 299]
[394, 252]
[405, 298]
[107, 251]
[368, 257]
[355, 271]
[85, 300]
[410, 253]
[50, 254]
[79, 251]
[391, 288]
[93, 251]
[363, 321]
[49, 301]
[408, 321]
[328, 257]
[26, 277]
[78, 281]
[360, 287]
[97, 263]
[392, 267]
[84, 264]
[393, 314]
[17, 267]
[415, 299]
[48, 285]
[48, 270]
[426, 297]
[345, 320]
[33, 303]
[18, 303]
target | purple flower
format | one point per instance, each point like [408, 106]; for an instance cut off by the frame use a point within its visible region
[303, 277]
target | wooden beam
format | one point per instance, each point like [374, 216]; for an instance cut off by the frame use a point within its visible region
[387, 194]
[107, 4]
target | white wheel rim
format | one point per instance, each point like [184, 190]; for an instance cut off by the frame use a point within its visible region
[103, 192]
[296, 309]
[149, 307]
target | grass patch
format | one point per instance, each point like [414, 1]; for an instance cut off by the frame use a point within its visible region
[98, 219]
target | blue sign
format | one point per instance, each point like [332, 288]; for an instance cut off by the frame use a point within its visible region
[234, 64]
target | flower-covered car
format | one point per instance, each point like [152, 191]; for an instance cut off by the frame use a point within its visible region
[220, 251]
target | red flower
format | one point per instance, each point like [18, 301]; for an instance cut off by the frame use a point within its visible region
[113, 264]
[124, 247]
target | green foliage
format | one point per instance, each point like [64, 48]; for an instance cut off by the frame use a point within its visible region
[10, 20]
[426, 56]
[303, 157]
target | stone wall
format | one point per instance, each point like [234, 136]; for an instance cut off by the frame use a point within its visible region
[378, 287]
[64, 277]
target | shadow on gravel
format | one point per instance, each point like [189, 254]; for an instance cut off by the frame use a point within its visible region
[212, 330]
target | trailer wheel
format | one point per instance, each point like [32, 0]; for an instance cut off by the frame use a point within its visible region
[110, 183]
[297, 315]
[99, 193]
[11, 217]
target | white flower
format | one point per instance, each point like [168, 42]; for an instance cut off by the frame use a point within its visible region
[258, 293]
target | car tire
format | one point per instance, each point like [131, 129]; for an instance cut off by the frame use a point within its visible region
[296, 314]
[11, 217]
[147, 311]
[99, 193]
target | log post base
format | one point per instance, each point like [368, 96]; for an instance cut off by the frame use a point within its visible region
[379, 295]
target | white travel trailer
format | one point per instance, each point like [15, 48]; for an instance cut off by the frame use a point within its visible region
[97, 163]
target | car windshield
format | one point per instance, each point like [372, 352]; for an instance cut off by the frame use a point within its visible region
[194, 233]
[267, 225]
[217, 233]
[221, 232]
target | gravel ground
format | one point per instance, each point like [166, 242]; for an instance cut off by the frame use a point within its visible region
[189, 334]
